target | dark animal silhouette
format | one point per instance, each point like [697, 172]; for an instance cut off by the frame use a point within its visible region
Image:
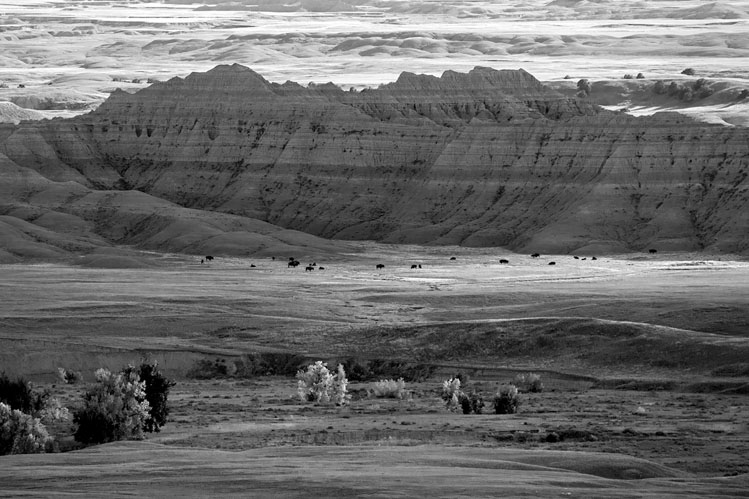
[577, 257]
[594, 258]
[452, 258]
[651, 250]
[252, 265]
[419, 265]
[309, 268]
[584, 258]
[380, 266]
[208, 258]
[552, 263]
[414, 266]
[202, 261]
[291, 258]
[321, 268]
[293, 263]
[504, 261]
[535, 255]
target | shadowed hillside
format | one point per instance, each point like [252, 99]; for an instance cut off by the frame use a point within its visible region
[487, 158]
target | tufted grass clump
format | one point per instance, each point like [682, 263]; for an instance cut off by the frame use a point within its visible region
[506, 400]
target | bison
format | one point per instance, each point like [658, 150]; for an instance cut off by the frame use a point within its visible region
[380, 266]
[504, 261]
[535, 255]
[552, 263]
[208, 258]
[309, 268]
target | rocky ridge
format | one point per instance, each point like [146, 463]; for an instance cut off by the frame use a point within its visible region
[486, 158]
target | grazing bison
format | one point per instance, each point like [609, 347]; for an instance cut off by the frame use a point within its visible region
[309, 268]
[252, 265]
[419, 265]
[452, 258]
[504, 261]
[414, 266]
[652, 251]
[380, 266]
[321, 268]
[208, 258]
[593, 258]
[584, 258]
[535, 255]
[552, 263]
[293, 263]
[577, 257]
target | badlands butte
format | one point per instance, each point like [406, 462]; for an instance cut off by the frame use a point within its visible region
[229, 163]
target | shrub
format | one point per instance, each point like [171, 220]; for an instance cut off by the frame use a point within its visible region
[472, 403]
[21, 433]
[451, 393]
[743, 95]
[114, 409]
[659, 87]
[69, 377]
[640, 76]
[506, 400]
[317, 384]
[389, 388]
[530, 382]
[628, 76]
[18, 394]
[689, 72]
[157, 393]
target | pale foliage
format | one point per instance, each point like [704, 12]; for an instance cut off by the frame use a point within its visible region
[21, 433]
[318, 384]
[389, 388]
[114, 409]
[451, 393]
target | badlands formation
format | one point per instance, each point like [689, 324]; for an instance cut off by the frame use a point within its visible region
[484, 158]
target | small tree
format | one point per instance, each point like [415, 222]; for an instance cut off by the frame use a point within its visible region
[451, 393]
[506, 400]
[659, 87]
[21, 433]
[19, 394]
[114, 409]
[317, 384]
[157, 392]
[640, 76]
[689, 72]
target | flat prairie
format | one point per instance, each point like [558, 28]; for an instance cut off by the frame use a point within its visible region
[643, 359]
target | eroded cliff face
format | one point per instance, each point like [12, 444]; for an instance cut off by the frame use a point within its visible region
[488, 158]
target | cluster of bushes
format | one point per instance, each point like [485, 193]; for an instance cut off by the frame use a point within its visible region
[251, 365]
[506, 400]
[699, 89]
[24, 412]
[248, 365]
[629, 76]
[378, 369]
[118, 406]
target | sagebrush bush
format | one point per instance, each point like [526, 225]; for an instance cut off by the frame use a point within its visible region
[21, 433]
[389, 388]
[506, 400]
[114, 409]
[157, 393]
[318, 384]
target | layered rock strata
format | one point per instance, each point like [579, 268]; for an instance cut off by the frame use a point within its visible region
[487, 158]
